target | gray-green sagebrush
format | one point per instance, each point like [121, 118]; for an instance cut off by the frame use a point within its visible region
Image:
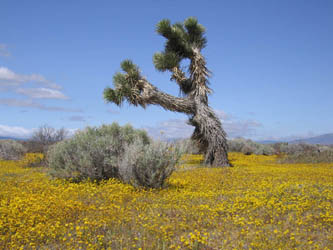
[11, 150]
[184, 41]
[112, 151]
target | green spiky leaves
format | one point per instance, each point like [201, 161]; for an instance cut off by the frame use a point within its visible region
[164, 28]
[111, 95]
[166, 60]
[181, 39]
[126, 85]
[195, 32]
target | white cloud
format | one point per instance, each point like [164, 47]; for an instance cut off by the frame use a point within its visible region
[31, 104]
[4, 50]
[178, 128]
[223, 115]
[237, 127]
[18, 132]
[72, 131]
[24, 133]
[240, 128]
[173, 128]
[10, 78]
[41, 93]
[7, 76]
[11, 81]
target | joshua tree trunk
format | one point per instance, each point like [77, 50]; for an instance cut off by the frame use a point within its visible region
[210, 136]
[208, 128]
[183, 42]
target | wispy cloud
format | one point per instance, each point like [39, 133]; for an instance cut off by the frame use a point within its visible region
[4, 50]
[14, 131]
[287, 138]
[14, 82]
[223, 115]
[10, 78]
[31, 104]
[173, 128]
[24, 133]
[241, 128]
[77, 118]
[178, 128]
[236, 127]
[42, 93]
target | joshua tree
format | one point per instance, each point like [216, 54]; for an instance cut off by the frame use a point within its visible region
[183, 41]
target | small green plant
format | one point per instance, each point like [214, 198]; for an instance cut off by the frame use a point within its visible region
[11, 150]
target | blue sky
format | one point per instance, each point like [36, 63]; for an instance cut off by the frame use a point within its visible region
[271, 62]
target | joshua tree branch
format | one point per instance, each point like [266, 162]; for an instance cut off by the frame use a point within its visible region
[144, 93]
[178, 75]
[151, 95]
[184, 83]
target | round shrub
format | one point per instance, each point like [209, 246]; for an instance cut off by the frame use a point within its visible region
[262, 149]
[236, 144]
[93, 153]
[11, 150]
[148, 165]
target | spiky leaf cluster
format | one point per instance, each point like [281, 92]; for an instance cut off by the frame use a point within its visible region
[181, 40]
[126, 85]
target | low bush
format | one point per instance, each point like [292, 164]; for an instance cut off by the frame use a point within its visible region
[291, 149]
[249, 147]
[305, 153]
[112, 151]
[11, 150]
[148, 165]
[92, 153]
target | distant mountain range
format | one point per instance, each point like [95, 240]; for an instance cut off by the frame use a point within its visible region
[326, 139]
[10, 138]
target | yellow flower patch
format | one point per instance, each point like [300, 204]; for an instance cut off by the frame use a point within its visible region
[257, 204]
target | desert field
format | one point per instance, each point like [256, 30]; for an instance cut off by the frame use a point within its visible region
[257, 204]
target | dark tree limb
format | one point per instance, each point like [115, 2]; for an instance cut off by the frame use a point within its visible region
[144, 93]
[151, 95]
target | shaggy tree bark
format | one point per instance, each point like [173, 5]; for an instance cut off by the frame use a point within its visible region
[184, 41]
